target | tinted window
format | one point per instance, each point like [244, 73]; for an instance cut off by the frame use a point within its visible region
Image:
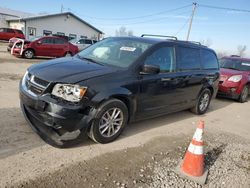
[88, 41]
[81, 41]
[72, 36]
[10, 31]
[189, 59]
[47, 41]
[164, 58]
[46, 32]
[19, 31]
[59, 41]
[60, 34]
[209, 60]
[235, 64]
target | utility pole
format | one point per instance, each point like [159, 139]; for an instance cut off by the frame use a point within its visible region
[61, 8]
[191, 20]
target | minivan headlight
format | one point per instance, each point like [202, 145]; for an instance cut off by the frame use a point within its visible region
[235, 78]
[69, 92]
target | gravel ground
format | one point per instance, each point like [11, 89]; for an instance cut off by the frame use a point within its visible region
[154, 164]
[228, 161]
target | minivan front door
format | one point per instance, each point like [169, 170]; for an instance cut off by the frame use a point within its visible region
[160, 93]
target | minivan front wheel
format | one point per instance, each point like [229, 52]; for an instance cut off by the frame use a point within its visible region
[202, 103]
[110, 120]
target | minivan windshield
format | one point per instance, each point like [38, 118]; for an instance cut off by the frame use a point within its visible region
[235, 64]
[120, 52]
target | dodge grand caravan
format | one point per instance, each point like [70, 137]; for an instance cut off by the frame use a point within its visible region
[116, 81]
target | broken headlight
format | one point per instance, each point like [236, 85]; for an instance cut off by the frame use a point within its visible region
[69, 92]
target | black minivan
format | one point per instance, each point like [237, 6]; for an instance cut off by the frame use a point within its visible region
[116, 81]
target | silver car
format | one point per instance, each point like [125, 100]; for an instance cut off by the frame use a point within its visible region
[82, 43]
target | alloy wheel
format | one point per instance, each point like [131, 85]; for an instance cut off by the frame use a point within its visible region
[111, 122]
[204, 101]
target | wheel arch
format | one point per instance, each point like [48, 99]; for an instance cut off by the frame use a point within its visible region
[121, 94]
[32, 49]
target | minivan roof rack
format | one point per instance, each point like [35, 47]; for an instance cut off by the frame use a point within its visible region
[149, 35]
[195, 42]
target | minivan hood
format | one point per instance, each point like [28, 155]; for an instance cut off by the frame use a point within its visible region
[69, 70]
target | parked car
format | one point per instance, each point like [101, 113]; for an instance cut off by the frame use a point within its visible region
[235, 78]
[116, 81]
[50, 46]
[82, 43]
[7, 34]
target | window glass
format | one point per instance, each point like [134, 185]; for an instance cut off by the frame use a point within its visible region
[47, 41]
[19, 31]
[88, 41]
[120, 52]
[235, 64]
[164, 58]
[2, 30]
[32, 31]
[209, 60]
[189, 59]
[60, 34]
[59, 41]
[46, 32]
[10, 31]
[72, 36]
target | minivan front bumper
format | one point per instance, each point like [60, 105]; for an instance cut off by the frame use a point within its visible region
[56, 123]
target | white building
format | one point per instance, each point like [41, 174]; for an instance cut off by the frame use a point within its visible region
[6, 14]
[66, 24]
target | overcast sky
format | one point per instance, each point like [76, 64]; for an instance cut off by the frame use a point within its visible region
[225, 29]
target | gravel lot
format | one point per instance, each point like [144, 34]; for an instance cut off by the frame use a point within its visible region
[145, 155]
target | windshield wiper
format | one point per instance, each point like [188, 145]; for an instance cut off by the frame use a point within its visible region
[89, 59]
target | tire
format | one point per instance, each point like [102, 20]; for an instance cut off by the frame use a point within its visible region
[244, 94]
[29, 54]
[104, 128]
[68, 54]
[202, 103]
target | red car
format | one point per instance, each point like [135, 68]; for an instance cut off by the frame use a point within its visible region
[49, 46]
[7, 34]
[235, 78]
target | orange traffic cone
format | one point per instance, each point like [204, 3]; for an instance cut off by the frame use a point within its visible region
[193, 162]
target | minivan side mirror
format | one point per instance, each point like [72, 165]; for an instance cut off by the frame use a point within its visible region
[39, 42]
[150, 69]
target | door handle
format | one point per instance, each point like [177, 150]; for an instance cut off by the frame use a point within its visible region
[166, 79]
[209, 77]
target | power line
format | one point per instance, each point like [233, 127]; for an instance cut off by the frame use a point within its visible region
[137, 17]
[224, 8]
[182, 27]
[146, 21]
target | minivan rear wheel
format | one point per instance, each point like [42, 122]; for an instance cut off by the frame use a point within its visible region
[109, 122]
[203, 102]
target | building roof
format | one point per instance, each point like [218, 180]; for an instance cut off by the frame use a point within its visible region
[53, 15]
[14, 13]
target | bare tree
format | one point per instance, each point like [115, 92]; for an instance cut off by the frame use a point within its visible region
[208, 42]
[122, 31]
[221, 54]
[241, 50]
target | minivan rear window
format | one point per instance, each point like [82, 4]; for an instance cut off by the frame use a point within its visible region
[189, 59]
[209, 60]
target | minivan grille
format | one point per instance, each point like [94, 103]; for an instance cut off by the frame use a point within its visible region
[35, 84]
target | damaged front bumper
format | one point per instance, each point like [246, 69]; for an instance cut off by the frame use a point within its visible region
[57, 123]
